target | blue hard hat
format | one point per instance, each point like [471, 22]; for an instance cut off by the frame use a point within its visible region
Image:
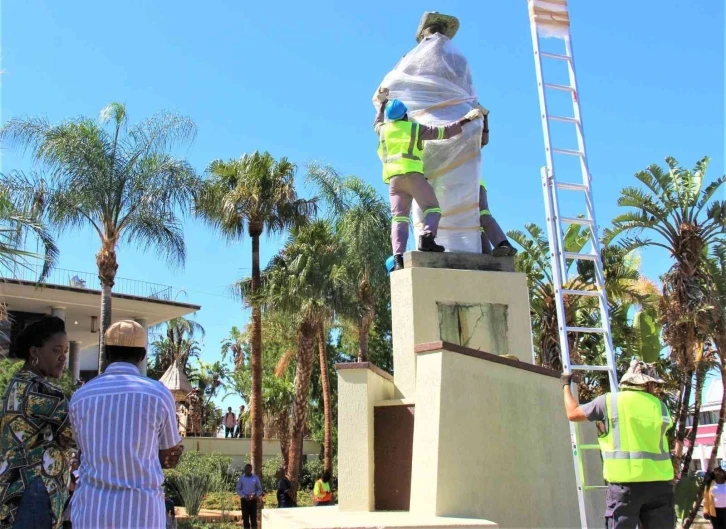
[395, 109]
[390, 264]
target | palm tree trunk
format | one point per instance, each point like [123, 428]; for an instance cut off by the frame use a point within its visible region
[700, 376]
[283, 434]
[714, 452]
[681, 420]
[256, 362]
[304, 356]
[107, 266]
[364, 329]
[105, 324]
[327, 416]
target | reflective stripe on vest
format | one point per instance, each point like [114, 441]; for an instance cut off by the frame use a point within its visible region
[399, 149]
[635, 448]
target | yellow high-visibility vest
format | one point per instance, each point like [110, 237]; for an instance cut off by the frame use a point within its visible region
[635, 447]
[399, 149]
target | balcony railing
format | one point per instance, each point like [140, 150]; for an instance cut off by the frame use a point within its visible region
[89, 281]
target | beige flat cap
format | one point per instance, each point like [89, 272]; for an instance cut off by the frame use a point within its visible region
[126, 333]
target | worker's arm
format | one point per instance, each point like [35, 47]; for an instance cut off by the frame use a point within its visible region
[572, 408]
[592, 411]
[485, 131]
[383, 100]
[427, 133]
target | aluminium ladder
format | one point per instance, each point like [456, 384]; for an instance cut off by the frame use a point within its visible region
[550, 19]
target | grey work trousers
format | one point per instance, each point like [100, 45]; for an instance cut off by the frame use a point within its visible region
[402, 191]
[491, 233]
[652, 504]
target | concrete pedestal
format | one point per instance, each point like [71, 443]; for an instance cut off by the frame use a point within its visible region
[469, 433]
[434, 299]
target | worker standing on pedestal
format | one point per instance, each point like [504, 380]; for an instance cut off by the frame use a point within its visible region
[491, 233]
[400, 149]
[636, 460]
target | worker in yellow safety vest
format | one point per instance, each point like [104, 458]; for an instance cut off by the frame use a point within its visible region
[400, 148]
[321, 492]
[636, 460]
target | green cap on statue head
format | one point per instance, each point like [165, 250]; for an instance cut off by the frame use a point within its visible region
[446, 24]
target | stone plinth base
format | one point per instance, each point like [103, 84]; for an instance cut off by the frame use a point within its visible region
[331, 517]
[458, 261]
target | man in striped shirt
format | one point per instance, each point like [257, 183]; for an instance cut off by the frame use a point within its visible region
[125, 425]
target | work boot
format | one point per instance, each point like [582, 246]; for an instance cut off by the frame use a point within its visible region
[504, 249]
[427, 243]
[398, 262]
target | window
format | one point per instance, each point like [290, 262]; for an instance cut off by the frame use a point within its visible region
[708, 417]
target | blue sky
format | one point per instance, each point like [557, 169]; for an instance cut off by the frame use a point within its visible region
[297, 78]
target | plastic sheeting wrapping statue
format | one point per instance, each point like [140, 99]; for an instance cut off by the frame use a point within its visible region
[434, 82]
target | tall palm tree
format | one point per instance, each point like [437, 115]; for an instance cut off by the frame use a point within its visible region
[304, 282]
[119, 180]
[20, 215]
[680, 215]
[255, 194]
[322, 339]
[362, 222]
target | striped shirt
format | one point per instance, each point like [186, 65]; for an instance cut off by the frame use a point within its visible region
[121, 420]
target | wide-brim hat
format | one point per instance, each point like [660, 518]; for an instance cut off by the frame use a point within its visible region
[451, 24]
[639, 374]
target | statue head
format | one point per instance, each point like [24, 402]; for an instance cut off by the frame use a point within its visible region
[433, 22]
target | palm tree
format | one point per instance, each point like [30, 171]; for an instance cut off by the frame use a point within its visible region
[210, 379]
[20, 210]
[327, 413]
[177, 343]
[234, 344]
[255, 194]
[362, 222]
[678, 211]
[121, 181]
[304, 282]
[626, 291]
[717, 274]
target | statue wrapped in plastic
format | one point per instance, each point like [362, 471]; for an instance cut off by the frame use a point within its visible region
[434, 82]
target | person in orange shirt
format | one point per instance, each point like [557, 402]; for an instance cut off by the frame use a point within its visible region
[321, 493]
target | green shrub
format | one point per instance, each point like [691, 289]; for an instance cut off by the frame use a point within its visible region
[221, 501]
[311, 472]
[269, 468]
[196, 476]
[193, 523]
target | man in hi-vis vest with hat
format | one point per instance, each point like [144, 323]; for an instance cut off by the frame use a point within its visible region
[636, 460]
[400, 148]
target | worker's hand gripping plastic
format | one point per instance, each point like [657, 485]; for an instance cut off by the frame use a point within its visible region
[434, 82]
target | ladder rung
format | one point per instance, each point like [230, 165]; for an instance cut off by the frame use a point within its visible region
[575, 220]
[565, 119]
[585, 329]
[555, 56]
[594, 487]
[568, 152]
[589, 368]
[568, 292]
[563, 87]
[573, 187]
[581, 256]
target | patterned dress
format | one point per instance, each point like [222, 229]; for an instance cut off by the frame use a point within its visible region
[35, 441]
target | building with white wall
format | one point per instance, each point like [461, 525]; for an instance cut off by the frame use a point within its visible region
[76, 297]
